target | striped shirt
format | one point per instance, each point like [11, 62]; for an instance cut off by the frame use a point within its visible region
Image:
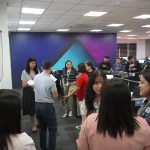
[69, 76]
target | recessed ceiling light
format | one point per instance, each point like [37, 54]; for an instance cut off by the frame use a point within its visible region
[115, 25]
[32, 10]
[118, 37]
[24, 29]
[146, 26]
[96, 30]
[95, 13]
[147, 32]
[144, 16]
[62, 30]
[27, 22]
[131, 35]
[125, 31]
[131, 38]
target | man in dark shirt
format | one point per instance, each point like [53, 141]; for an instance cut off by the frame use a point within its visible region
[132, 65]
[105, 65]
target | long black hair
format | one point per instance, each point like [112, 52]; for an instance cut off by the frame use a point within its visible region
[10, 116]
[66, 64]
[81, 68]
[89, 63]
[90, 95]
[116, 114]
[31, 59]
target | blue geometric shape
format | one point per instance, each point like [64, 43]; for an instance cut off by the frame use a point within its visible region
[77, 54]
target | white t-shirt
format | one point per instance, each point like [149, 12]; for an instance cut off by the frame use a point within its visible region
[21, 142]
[83, 109]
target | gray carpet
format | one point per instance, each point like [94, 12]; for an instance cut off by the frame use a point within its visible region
[67, 133]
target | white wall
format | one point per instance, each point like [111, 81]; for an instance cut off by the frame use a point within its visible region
[141, 46]
[6, 82]
[147, 53]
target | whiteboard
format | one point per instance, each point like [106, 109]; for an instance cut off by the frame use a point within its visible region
[1, 57]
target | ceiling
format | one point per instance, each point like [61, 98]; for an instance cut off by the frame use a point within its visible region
[69, 14]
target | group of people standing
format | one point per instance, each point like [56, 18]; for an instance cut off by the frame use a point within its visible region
[108, 117]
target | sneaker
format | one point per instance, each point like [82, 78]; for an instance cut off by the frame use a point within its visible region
[65, 115]
[70, 114]
[78, 127]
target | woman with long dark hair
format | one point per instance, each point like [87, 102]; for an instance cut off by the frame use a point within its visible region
[28, 93]
[89, 67]
[93, 91]
[115, 127]
[145, 92]
[68, 80]
[11, 137]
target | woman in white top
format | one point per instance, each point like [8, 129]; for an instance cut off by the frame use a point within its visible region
[28, 96]
[93, 90]
[11, 137]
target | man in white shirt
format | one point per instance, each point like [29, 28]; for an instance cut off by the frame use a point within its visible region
[45, 94]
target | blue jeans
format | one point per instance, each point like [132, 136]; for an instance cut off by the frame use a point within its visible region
[45, 114]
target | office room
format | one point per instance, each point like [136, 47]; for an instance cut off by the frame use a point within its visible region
[66, 63]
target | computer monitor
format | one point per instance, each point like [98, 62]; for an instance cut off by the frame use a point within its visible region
[141, 61]
[110, 76]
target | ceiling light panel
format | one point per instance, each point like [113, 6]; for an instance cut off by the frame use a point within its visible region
[95, 13]
[32, 10]
[62, 30]
[125, 31]
[144, 16]
[96, 30]
[27, 22]
[131, 35]
[115, 25]
[24, 29]
[146, 26]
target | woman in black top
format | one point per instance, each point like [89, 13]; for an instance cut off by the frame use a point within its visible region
[68, 79]
[89, 67]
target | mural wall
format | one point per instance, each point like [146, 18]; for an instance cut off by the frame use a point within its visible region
[58, 47]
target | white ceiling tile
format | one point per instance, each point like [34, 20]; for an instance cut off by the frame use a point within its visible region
[106, 8]
[65, 6]
[137, 4]
[45, 16]
[13, 9]
[14, 3]
[36, 4]
[13, 15]
[44, 24]
[42, 0]
[30, 16]
[84, 7]
[55, 11]
[66, 17]
[46, 20]
[98, 2]
[12, 28]
[76, 13]
[67, 1]
[115, 3]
